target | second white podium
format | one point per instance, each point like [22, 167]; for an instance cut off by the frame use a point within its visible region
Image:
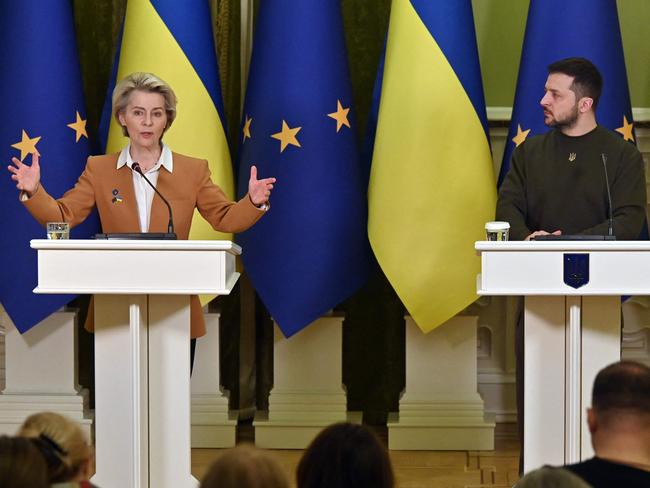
[572, 326]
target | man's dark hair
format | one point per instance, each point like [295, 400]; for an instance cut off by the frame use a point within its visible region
[587, 80]
[622, 387]
[345, 456]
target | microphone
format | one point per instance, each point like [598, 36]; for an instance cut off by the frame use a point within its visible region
[603, 156]
[170, 225]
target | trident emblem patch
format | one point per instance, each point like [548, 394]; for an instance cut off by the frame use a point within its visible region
[576, 270]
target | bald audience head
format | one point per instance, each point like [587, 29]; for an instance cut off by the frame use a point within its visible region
[622, 390]
[619, 418]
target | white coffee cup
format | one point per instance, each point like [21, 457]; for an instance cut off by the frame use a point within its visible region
[497, 231]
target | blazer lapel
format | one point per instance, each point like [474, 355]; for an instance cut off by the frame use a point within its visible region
[125, 184]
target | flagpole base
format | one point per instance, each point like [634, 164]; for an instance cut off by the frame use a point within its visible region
[41, 373]
[308, 392]
[441, 408]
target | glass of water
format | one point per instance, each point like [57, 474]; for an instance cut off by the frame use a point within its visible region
[58, 230]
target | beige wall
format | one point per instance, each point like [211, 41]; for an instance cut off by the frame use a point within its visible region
[500, 28]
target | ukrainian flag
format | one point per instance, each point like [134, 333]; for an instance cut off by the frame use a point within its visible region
[432, 184]
[43, 112]
[174, 41]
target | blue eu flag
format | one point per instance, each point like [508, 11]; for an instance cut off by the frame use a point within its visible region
[310, 252]
[558, 29]
[43, 111]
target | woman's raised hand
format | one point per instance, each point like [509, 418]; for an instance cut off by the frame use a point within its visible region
[26, 177]
[259, 190]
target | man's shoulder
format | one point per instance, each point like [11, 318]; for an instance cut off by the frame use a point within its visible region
[612, 137]
[537, 141]
[597, 469]
[533, 148]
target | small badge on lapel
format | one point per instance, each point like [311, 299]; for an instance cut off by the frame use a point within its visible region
[576, 270]
[116, 196]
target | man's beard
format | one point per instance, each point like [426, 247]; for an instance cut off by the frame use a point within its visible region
[566, 122]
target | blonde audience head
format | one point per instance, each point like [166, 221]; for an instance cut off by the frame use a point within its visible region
[245, 466]
[63, 444]
[550, 477]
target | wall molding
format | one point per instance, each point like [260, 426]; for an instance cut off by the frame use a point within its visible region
[503, 114]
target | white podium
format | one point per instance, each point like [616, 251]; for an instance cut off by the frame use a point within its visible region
[142, 354]
[571, 331]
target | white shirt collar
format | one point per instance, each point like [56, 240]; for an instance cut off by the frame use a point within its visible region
[166, 158]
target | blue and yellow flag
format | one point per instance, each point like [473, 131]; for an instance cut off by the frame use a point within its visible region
[173, 40]
[432, 181]
[558, 29]
[43, 112]
[310, 251]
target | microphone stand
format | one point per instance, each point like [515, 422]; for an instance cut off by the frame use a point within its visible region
[609, 196]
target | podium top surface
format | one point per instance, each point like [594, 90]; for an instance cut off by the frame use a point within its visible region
[135, 245]
[604, 268]
[136, 267]
[571, 246]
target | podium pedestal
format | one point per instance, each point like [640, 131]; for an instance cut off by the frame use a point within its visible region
[568, 340]
[142, 345]
[441, 408]
[307, 390]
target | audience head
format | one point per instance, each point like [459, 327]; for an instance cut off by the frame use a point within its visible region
[245, 466]
[345, 455]
[21, 464]
[63, 445]
[621, 397]
[548, 477]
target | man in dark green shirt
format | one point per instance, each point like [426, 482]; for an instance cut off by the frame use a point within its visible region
[557, 182]
[619, 423]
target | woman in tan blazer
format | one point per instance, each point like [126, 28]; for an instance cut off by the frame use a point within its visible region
[145, 107]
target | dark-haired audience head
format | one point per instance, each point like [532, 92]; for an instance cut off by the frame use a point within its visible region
[549, 477]
[621, 391]
[245, 466]
[619, 417]
[21, 464]
[63, 444]
[587, 80]
[345, 456]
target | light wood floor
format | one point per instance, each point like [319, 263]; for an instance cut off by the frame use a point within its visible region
[424, 469]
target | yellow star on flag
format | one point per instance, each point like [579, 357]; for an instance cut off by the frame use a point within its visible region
[626, 130]
[521, 135]
[79, 126]
[27, 145]
[341, 116]
[287, 136]
[247, 128]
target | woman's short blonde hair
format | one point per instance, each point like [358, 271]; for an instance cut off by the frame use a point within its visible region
[65, 440]
[145, 82]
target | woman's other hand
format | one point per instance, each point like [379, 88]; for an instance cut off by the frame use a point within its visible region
[26, 177]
